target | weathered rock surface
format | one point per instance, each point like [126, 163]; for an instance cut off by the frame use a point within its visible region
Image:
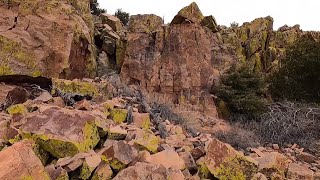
[189, 14]
[20, 162]
[51, 38]
[61, 132]
[147, 23]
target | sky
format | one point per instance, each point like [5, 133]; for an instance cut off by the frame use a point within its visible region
[290, 12]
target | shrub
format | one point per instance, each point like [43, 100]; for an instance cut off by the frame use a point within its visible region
[242, 90]
[298, 78]
[289, 123]
[95, 8]
[123, 16]
[234, 25]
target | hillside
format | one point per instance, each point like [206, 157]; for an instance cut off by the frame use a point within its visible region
[84, 96]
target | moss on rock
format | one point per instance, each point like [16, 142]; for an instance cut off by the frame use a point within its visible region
[17, 109]
[118, 115]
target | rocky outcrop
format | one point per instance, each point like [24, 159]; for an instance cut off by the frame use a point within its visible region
[189, 14]
[51, 39]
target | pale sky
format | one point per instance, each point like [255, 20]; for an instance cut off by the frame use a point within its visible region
[290, 12]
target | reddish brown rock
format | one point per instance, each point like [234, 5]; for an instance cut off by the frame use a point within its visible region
[145, 171]
[102, 172]
[273, 163]
[146, 23]
[223, 161]
[119, 155]
[61, 132]
[296, 171]
[141, 120]
[306, 157]
[39, 40]
[189, 14]
[83, 105]
[20, 162]
[168, 158]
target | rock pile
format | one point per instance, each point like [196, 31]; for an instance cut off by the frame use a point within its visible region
[119, 139]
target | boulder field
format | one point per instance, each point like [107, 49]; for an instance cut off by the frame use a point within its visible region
[44, 137]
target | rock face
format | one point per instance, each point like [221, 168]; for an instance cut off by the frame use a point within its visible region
[46, 38]
[191, 14]
[20, 161]
[145, 23]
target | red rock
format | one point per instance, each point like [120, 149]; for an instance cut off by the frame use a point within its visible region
[44, 97]
[197, 153]
[168, 158]
[145, 171]
[273, 163]
[141, 120]
[306, 157]
[296, 171]
[83, 105]
[19, 161]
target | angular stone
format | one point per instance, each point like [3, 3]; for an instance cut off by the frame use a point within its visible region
[4, 126]
[197, 153]
[89, 165]
[58, 101]
[168, 158]
[77, 87]
[118, 115]
[145, 23]
[189, 13]
[141, 120]
[103, 172]
[57, 173]
[145, 171]
[4, 90]
[20, 162]
[259, 176]
[306, 157]
[61, 132]
[44, 97]
[210, 22]
[119, 155]
[273, 163]
[296, 171]
[147, 141]
[83, 105]
[224, 162]
[117, 133]
[112, 21]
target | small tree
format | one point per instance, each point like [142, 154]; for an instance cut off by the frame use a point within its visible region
[95, 8]
[234, 24]
[123, 16]
[299, 76]
[242, 90]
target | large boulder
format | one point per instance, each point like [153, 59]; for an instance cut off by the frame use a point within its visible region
[20, 162]
[224, 162]
[47, 38]
[61, 132]
[146, 23]
[191, 14]
[273, 164]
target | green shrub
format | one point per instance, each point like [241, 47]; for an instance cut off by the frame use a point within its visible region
[95, 9]
[242, 90]
[123, 16]
[298, 78]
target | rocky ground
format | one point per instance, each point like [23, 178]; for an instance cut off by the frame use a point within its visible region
[73, 132]
[115, 126]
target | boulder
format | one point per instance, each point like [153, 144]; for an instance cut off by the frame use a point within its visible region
[191, 14]
[103, 172]
[119, 155]
[112, 21]
[61, 132]
[117, 133]
[4, 91]
[168, 159]
[141, 120]
[20, 162]
[79, 87]
[273, 163]
[210, 22]
[146, 23]
[56, 172]
[89, 165]
[224, 162]
[145, 171]
[4, 126]
[145, 140]
[39, 40]
[296, 171]
[306, 157]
